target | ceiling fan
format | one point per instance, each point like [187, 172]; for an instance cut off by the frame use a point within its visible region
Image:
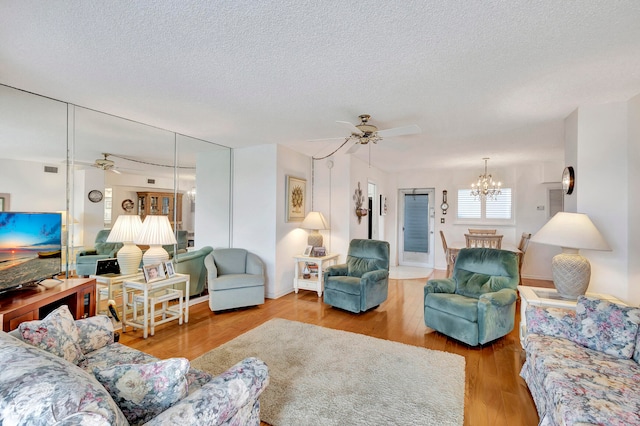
[105, 164]
[366, 132]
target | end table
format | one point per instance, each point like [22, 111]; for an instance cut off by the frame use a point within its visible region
[315, 282]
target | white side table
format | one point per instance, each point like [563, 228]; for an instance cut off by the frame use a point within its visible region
[549, 297]
[111, 283]
[147, 289]
[315, 283]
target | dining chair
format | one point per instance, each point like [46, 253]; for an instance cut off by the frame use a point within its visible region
[483, 231]
[483, 241]
[447, 255]
[522, 246]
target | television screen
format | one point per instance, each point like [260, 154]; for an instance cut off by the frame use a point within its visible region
[30, 248]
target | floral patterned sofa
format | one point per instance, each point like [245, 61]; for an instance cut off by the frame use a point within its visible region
[65, 372]
[582, 366]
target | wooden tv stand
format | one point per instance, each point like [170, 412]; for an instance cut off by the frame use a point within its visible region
[36, 303]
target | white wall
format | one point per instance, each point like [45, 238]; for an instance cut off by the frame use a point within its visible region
[212, 215]
[254, 206]
[30, 188]
[633, 196]
[571, 159]
[602, 171]
[90, 215]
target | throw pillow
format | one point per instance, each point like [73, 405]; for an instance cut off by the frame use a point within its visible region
[56, 333]
[142, 391]
[607, 327]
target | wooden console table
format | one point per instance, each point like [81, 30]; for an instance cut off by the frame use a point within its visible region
[32, 304]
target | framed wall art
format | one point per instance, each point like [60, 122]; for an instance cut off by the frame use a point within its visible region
[296, 190]
[383, 205]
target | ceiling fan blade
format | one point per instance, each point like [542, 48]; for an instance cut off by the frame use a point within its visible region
[325, 139]
[399, 131]
[353, 129]
[353, 148]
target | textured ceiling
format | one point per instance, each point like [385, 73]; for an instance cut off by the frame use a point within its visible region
[480, 78]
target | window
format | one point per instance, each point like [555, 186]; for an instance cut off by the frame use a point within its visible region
[471, 208]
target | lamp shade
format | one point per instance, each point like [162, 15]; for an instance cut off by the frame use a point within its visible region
[156, 231]
[571, 230]
[126, 230]
[314, 221]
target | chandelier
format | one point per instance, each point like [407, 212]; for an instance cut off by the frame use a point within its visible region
[485, 186]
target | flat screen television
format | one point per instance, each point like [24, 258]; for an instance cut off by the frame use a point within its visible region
[30, 248]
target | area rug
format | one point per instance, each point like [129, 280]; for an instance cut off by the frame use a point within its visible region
[321, 376]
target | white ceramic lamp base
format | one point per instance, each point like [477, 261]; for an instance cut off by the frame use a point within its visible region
[571, 274]
[129, 257]
[155, 254]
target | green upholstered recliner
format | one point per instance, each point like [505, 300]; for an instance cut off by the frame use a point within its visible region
[236, 279]
[86, 260]
[192, 263]
[478, 304]
[182, 242]
[363, 282]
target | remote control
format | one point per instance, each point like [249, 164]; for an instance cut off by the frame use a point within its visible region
[112, 309]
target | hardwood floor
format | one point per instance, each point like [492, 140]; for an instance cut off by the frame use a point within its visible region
[494, 392]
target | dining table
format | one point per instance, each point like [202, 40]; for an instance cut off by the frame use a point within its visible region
[454, 248]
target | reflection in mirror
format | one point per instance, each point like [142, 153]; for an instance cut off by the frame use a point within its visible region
[53, 158]
[125, 161]
[33, 142]
[204, 176]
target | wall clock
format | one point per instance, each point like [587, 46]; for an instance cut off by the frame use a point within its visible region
[568, 179]
[444, 206]
[95, 196]
[128, 205]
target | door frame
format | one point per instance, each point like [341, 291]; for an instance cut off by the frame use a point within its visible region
[429, 259]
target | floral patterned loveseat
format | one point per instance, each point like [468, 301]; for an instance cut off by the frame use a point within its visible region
[65, 372]
[582, 366]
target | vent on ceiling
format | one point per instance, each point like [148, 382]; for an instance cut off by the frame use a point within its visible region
[50, 169]
[151, 181]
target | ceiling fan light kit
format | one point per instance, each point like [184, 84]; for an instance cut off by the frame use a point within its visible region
[365, 132]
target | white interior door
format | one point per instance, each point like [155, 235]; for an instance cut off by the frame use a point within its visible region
[416, 221]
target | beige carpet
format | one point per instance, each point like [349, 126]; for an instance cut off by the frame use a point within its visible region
[321, 376]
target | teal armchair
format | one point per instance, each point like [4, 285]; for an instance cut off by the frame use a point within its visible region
[478, 304]
[236, 279]
[182, 242]
[192, 263]
[363, 282]
[86, 260]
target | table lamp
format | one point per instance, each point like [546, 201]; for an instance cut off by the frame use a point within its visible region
[571, 231]
[125, 231]
[314, 221]
[156, 231]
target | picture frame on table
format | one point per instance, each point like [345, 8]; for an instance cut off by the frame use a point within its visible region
[171, 271]
[307, 251]
[296, 190]
[153, 272]
[319, 252]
